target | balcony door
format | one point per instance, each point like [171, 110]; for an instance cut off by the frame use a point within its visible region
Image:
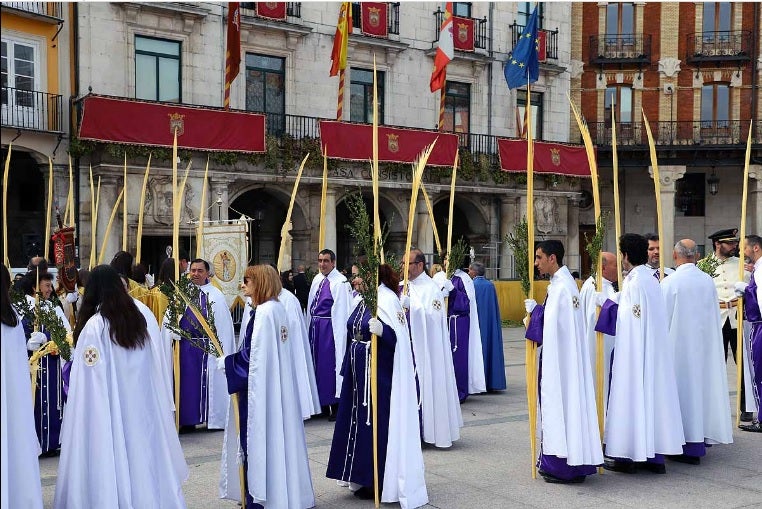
[620, 31]
[22, 104]
[619, 101]
[715, 114]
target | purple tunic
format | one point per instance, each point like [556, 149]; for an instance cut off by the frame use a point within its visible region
[351, 457]
[754, 356]
[194, 382]
[322, 343]
[459, 322]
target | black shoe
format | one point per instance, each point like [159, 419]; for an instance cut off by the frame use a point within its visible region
[747, 416]
[332, 411]
[619, 466]
[187, 429]
[682, 458]
[549, 478]
[654, 468]
[51, 453]
[754, 427]
[365, 493]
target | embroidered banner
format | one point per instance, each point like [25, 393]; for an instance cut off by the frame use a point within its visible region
[225, 247]
[354, 142]
[555, 158]
[117, 120]
[463, 33]
[542, 50]
[374, 19]
[272, 10]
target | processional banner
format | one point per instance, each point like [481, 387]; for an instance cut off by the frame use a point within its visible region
[225, 248]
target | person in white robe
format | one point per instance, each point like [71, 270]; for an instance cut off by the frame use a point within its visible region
[587, 297]
[437, 391]
[19, 448]
[271, 446]
[696, 340]
[571, 443]
[119, 447]
[643, 421]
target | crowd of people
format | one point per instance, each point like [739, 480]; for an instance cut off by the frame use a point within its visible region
[409, 353]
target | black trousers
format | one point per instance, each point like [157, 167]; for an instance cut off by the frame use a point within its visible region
[730, 336]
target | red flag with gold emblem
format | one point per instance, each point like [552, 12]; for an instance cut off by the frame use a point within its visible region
[463, 33]
[343, 29]
[232, 49]
[374, 18]
[271, 10]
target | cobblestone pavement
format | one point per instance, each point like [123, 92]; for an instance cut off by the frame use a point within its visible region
[489, 467]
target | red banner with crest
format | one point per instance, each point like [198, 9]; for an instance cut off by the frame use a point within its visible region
[272, 10]
[116, 120]
[542, 46]
[354, 142]
[463, 33]
[569, 160]
[374, 20]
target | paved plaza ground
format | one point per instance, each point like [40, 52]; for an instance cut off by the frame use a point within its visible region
[489, 467]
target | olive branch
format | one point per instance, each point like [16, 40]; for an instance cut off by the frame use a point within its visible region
[46, 318]
[518, 242]
[709, 265]
[594, 244]
[456, 256]
[185, 296]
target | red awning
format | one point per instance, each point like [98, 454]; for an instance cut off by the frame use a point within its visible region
[570, 160]
[354, 142]
[115, 120]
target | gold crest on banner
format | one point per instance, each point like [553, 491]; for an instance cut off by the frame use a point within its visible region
[462, 32]
[393, 143]
[374, 16]
[176, 122]
[555, 157]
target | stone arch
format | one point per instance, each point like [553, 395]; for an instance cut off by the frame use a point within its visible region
[469, 219]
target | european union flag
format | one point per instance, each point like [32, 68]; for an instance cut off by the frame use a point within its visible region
[523, 66]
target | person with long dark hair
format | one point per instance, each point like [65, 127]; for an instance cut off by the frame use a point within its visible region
[19, 468]
[119, 446]
[400, 461]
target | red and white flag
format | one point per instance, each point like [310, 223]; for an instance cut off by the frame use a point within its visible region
[445, 51]
[232, 49]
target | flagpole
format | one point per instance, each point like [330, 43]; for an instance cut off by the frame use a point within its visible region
[374, 312]
[340, 99]
[124, 213]
[442, 97]
[741, 239]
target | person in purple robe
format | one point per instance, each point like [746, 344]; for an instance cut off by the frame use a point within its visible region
[490, 326]
[752, 298]
[459, 323]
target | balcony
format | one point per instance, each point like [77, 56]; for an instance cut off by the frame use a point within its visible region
[550, 37]
[620, 49]
[718, 47]
[695, 134]
[392, 17]
[293, 10]
[478, 39]
[31, 110]
[51, 11]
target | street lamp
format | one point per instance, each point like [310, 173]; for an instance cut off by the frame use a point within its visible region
[714, 183]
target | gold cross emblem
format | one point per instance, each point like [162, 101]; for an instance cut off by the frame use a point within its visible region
[91, 356]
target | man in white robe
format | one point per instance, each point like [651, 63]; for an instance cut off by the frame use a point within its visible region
[571, 443]
[438, 393]
[695, 334]
[328, 308]
[643, 420]
[587, 296]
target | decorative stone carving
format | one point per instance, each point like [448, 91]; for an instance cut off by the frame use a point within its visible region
[577, 68]
[159, 201]
[637, 82]
[735, 79]
[698, 80]
[545, 214]
[600, 82]
[668, 176]
[669, 66]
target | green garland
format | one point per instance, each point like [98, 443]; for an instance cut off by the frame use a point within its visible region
[709, 265]
[518, 242]
[44, 317]
[176, 310]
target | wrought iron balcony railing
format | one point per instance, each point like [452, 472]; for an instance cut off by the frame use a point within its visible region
[731, 46]
[392, 17]
[32, 110]
[481, 41]
[675, 134]
[620, 49]
[551, 40]
[45, 9]
[293, 9]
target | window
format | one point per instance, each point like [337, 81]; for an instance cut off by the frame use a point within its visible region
[618, 99]
[620, 18]
[525, 10]
[690, 193]
[157, 69]
[715, 103]
[536, 111]
[461, 9]
[716, 16]
[457, 117]
[361, 96]
[20, 73]
[266, 89]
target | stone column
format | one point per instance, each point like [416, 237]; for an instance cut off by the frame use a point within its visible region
[754, 200]
[219, 188]
[668, 176]
[110, 189]
[507, 222]
[424, 232]
[494, 238]
[573, 259]
[330, 220]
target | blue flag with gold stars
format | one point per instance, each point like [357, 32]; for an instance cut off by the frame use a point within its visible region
[523, 66]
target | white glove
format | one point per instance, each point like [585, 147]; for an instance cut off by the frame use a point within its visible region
[221, 363]
[447, 286]
[529, 305]
[174, 337]
[405, 301]
[72, 297]
[36, 340]
[600, 298]
[376, 327]
[740, 288]
[149, 280]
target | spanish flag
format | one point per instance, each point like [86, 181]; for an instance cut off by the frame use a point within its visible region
[233, 49]
[445, 51]
[343, 29]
